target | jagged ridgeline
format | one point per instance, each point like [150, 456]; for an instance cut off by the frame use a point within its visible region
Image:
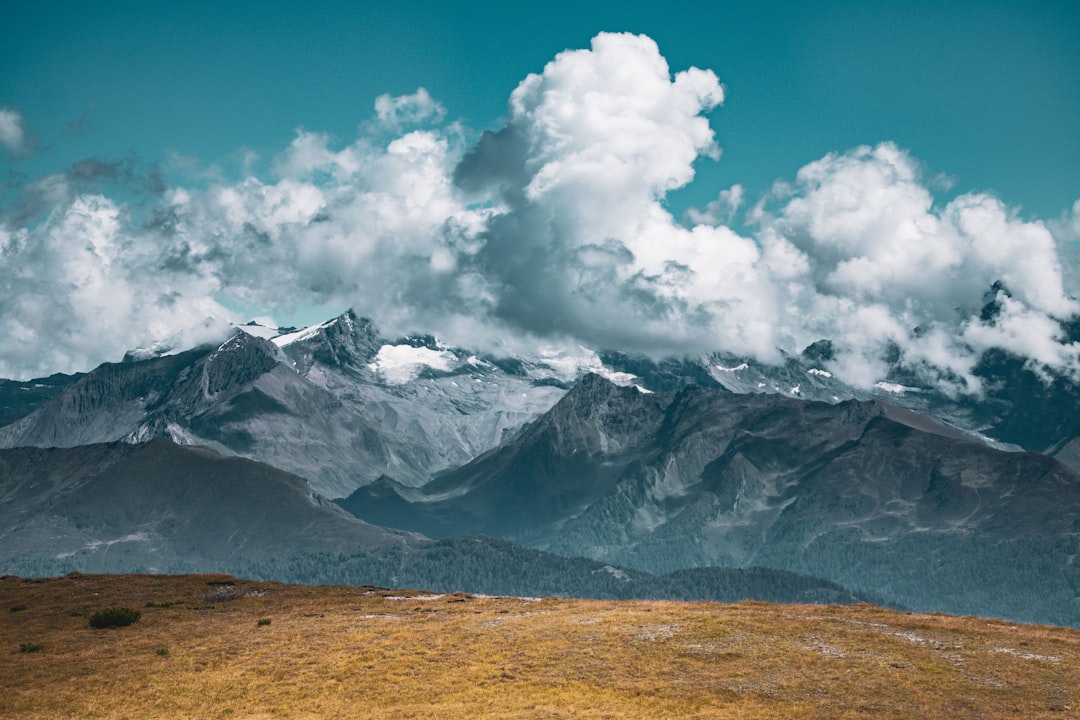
[335, 404]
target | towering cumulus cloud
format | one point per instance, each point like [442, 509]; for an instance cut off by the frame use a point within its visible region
[580, 243]
[553, 229]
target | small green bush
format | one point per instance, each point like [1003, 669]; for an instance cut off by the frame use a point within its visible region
[111, 617]
[162, 651]
[263, 621]
[30, 647]
[18, 608]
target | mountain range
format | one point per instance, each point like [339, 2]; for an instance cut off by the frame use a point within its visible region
[645, 467]
[160, 507]
[321, 403]
[863, 493]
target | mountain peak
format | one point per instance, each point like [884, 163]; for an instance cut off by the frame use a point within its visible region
[347, 341]
[594, 388]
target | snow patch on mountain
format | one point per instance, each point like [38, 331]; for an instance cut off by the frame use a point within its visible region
[893, 388]
[400, 364]
[259, 330]
[568, 367]
[157, 349]
[300, 335]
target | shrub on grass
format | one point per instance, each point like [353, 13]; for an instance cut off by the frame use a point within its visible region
[30, 647]
[263, 621]
[111, 617]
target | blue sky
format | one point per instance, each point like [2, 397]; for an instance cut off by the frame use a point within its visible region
[985, 92]
[123, 117]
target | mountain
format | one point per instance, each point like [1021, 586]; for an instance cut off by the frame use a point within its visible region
[241, 398]
[162, 507]
[862, 493]
[19, 398]
[344, 406]
[1019, 405]
[450, 404]
[555, 469]
[335, 403]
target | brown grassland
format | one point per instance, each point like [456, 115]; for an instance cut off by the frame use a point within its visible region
[212, 647]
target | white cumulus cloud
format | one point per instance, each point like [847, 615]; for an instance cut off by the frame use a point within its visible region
[885, 266]
[398, 111]
[552, 232]
[80, 288]
[581, 243]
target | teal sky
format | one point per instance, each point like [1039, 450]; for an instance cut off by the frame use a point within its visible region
[985, 93]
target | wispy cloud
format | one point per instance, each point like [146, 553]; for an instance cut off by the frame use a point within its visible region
[551, 229]
[12, 133]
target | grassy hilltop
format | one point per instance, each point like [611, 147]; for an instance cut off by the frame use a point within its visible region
[216, 647]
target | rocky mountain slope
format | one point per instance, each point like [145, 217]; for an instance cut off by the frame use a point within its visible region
[866, 494]
[239, 398]
[450, 404]
[161, 507]
[20, 398]
[678, 463]
[1018, 405]
[335, 403]
[359, 406]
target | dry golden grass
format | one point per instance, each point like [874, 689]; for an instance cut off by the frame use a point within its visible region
[199, 651]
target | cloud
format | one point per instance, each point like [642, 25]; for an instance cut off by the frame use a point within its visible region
[405, 110]
[551, 231]
[886, 269]
[79, 289]
[12, 135]
[1067, 234]
[721, 210]
[88, 176]
[580, 243]
[377, 226]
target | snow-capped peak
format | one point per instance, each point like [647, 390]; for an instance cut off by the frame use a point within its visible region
[300, 335]
[264, 328]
